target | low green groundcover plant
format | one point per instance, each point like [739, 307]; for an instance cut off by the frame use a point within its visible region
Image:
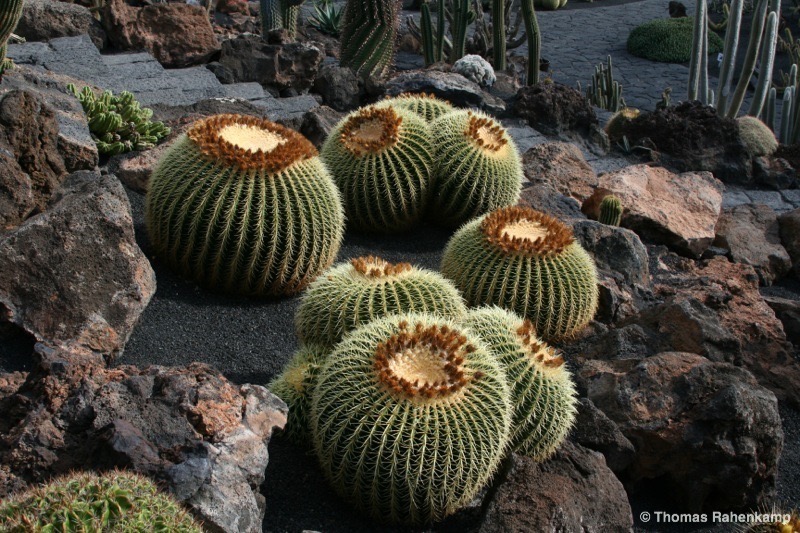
[668, 40]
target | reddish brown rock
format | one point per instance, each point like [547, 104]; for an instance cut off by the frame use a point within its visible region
[178, 35]
[679, 210]
[562, 167]
[789, 224]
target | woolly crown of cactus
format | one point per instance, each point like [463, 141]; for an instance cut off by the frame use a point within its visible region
[354, 293]
[406, 402]
[243, 205]
[528, 262]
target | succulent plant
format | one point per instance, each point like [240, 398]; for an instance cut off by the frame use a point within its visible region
[527, 262]
[368, 34]
[113, 501]
[610, 211]
[381, 160]
[426, 106]
[352, 294]
[668, 40]
[542, 392]
[10, 13]
[410, 417]
[279, 15]
[118, 124]
[242, 205]
[479, 167]
[295, 385]
[756, 136]
[617, 124]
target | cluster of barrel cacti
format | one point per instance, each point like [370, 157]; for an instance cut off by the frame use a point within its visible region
[10, 13]
[415, 155]
[118, 123]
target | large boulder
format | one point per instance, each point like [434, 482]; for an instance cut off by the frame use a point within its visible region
[449, 86]
[178, 35]
[561, 166]
[679, 210]
[573, 492]
[73, 276]
[706, 432]
[751, 235]
[789, 227]
[338, 87]
[43, 20]
[203, 438]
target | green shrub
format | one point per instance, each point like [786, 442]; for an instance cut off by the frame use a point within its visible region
[668, 40]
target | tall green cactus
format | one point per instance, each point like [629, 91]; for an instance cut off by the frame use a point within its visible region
[765, 64]
[462, 16]
[432, 43]
[279, 14]
[499, 34]
[729, 55]
[610, 211]
[534, 41]
[10, 12]
[368, 34]
[749, 64]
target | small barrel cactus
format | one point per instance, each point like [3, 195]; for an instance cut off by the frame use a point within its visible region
[426, 106]
[475, 68]
[295, 385]
[113, 501]
[527, 262]
[10, 13]
[479, 167]
[610, 211]
[355, 293]
[756, 136]
[245, 206]
[381, 160]
[617, 124]
[411, 417]
[542, 391]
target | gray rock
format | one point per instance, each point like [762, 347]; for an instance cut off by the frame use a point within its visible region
[545, 199]
[594, 430]
[573, 492]
[615, 249]
[789, 226]
[318, 123]
[338, 87]
[449, 86]
[788, 312]
[43, 20]
[562, 166]
[73, 277]
[774, 173]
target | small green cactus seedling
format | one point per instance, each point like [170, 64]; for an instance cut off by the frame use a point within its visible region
[355, 293]
[479, 167]
[542, 391]
[381, 160]
[10, 13]
[245, 206]
[295, 385]
[426, 106]
[411, 417]
[610, 211]
[527, 262]
[114, 501]
[118, 124]
[756, 136]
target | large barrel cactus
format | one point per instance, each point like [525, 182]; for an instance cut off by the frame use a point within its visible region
[381, 160]
[426, 106]
[295, 385]
[245, 206]
[368, 34]
[542, 391]
[527, 262]
[479, 167]
[410, 417]
[355, 293]
[10, 13]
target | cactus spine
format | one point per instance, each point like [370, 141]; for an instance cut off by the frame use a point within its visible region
[410, 416]
[294, 386]
[610, 211]
[527, 262]
[355, 293]
[10, 13]
[542, 391]
[368, 34]
[427, 106]
[242, 205]
[379, 158]
[479, 167]
[113, 501]
[534, 41]
[499, 34]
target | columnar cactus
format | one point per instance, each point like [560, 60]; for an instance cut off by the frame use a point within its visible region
[479, 167]
[381, 160]
[528, 262]
[426, 106]
[295, 385]
[355, 293]
[242, 205]
[368, 34]
[113, 501]
[610, 211]
[411, 417]
[542, 391]
[279, 14]
[10, 13]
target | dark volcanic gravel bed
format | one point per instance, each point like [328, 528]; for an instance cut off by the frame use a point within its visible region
[251, 340]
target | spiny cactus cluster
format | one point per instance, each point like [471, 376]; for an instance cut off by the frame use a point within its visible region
[390, 164]
[528, 262]
[114, 501]
[10, 13]
[368, 34]
[118, 124]
[242, 205]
